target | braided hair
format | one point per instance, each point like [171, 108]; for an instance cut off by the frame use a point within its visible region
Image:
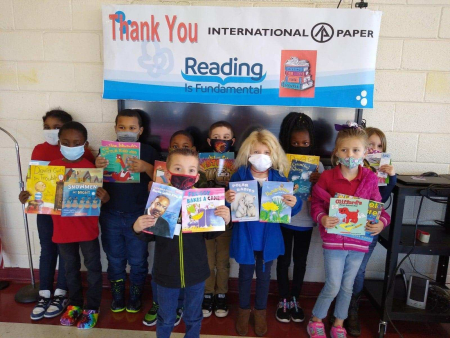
[294, 122]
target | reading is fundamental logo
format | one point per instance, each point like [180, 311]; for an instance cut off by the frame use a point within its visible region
[322, 32]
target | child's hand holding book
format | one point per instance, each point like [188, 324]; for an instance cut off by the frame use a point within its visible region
[329, 222]
[224, 212]
[374, 228]
[145, 221]
[24, 196]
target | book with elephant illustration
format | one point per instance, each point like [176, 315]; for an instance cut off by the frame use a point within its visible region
[197, 210]
[301, 167]
[245, 207]
[273, 209]
[119, 155]
[352, 214]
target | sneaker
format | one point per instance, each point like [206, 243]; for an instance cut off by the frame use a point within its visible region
[88, 319]
[135, 302]
[207, 304]
[316, 330]
[57, 306]
[338, 332]
[282, 314]
[151, 316]
[297, 314]
[41, 306]
[179, 316]
[118, 295]
[71, 316]
[220, 305]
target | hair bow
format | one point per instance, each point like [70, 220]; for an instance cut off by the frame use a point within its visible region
[348, 125]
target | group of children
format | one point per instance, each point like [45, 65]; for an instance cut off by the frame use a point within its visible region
[191, 271]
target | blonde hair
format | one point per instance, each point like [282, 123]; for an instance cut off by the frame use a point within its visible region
[371, 131]
[263, 136]
[348, 133]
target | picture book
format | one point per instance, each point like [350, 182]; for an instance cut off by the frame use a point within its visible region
[373, 215]
[198, 210]
[45, 185]
[164, 204]
[119, 155]
[352, 214]
[273, 209]
[374, 161]
[158, 173]
[217, 172]
[80, 187]
[301, 167]
[245, 207]
[226, 156]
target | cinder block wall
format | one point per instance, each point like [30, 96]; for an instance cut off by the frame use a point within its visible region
[51, 56]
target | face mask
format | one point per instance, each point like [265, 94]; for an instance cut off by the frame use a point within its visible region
[182, 182]
[72, 153]
[261, 162]
[51, 136]
[221, 146]
[351, 162]
[299, 150]
[127, 136]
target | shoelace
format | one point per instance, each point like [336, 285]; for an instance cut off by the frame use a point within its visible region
[320, 331]
[284, 304]
[295, 304]
[57, 300]
[340, 334]
[43, 302]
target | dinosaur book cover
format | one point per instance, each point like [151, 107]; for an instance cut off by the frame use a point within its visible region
[119, 155]
[45, 185]
[80, 187]
[352, 214]
[197, 211]
[245, 207]
[301, 167]
[164, 205]
[216, 172]
[273, 209]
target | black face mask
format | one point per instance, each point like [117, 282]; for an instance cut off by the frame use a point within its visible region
[299, 150]
[221, 146]
[182, 182]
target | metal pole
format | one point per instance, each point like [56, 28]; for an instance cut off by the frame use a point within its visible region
[29, 293]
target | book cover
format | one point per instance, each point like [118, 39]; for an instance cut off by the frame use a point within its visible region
[273, 209]
[45, 183]
[217, 172]
[245, 207]
[301, 167]
[227, 156]
[119, 154]
[373, 215]
[352, 214]
[198, 210]
[164, 203]
[158, 173]
[80, 187]
[374, 161]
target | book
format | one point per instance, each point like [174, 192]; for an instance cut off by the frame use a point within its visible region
[158, 173]
[352, 214]
[373, 214]
[45, 185]
[119, 154]
[245, 207]
[197, 211]
[289, 73]
[374, 161]
[298, 79]
[273, 209]
[164, 203]
[228, 155]
[217, 172]
[80, 187]
[301, 167]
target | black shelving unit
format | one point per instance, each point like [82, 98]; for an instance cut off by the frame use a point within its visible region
[399, 238]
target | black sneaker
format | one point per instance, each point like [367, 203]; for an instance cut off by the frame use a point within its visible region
[135, 302]
[283, 315]
[297, 314]
[179, 316]
[220, 305]
[151, 316]
[118, 295]
[207, 304]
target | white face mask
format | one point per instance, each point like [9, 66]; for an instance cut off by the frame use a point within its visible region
[261, 162]
[51, 136]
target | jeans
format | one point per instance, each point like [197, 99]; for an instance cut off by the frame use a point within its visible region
[192, 313]
[121, 245]
[262, 282]
[155, 293]
[359, 280]
[218, 251]
[91, 252]
[341, 267]
[49, 256]
[302, 240]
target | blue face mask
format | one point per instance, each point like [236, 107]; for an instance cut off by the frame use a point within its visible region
[72, 153]
[351, 162]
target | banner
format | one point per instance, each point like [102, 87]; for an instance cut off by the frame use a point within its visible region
[241, 56]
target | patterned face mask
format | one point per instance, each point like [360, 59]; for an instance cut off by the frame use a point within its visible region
[351, 162]
[182, 182]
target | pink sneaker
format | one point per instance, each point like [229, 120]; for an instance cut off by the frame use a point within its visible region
[338, 332]
[316, 330]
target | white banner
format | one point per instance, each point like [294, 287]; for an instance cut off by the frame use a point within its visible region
[241, 56]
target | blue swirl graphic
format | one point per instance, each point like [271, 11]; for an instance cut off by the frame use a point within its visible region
[218, 79]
